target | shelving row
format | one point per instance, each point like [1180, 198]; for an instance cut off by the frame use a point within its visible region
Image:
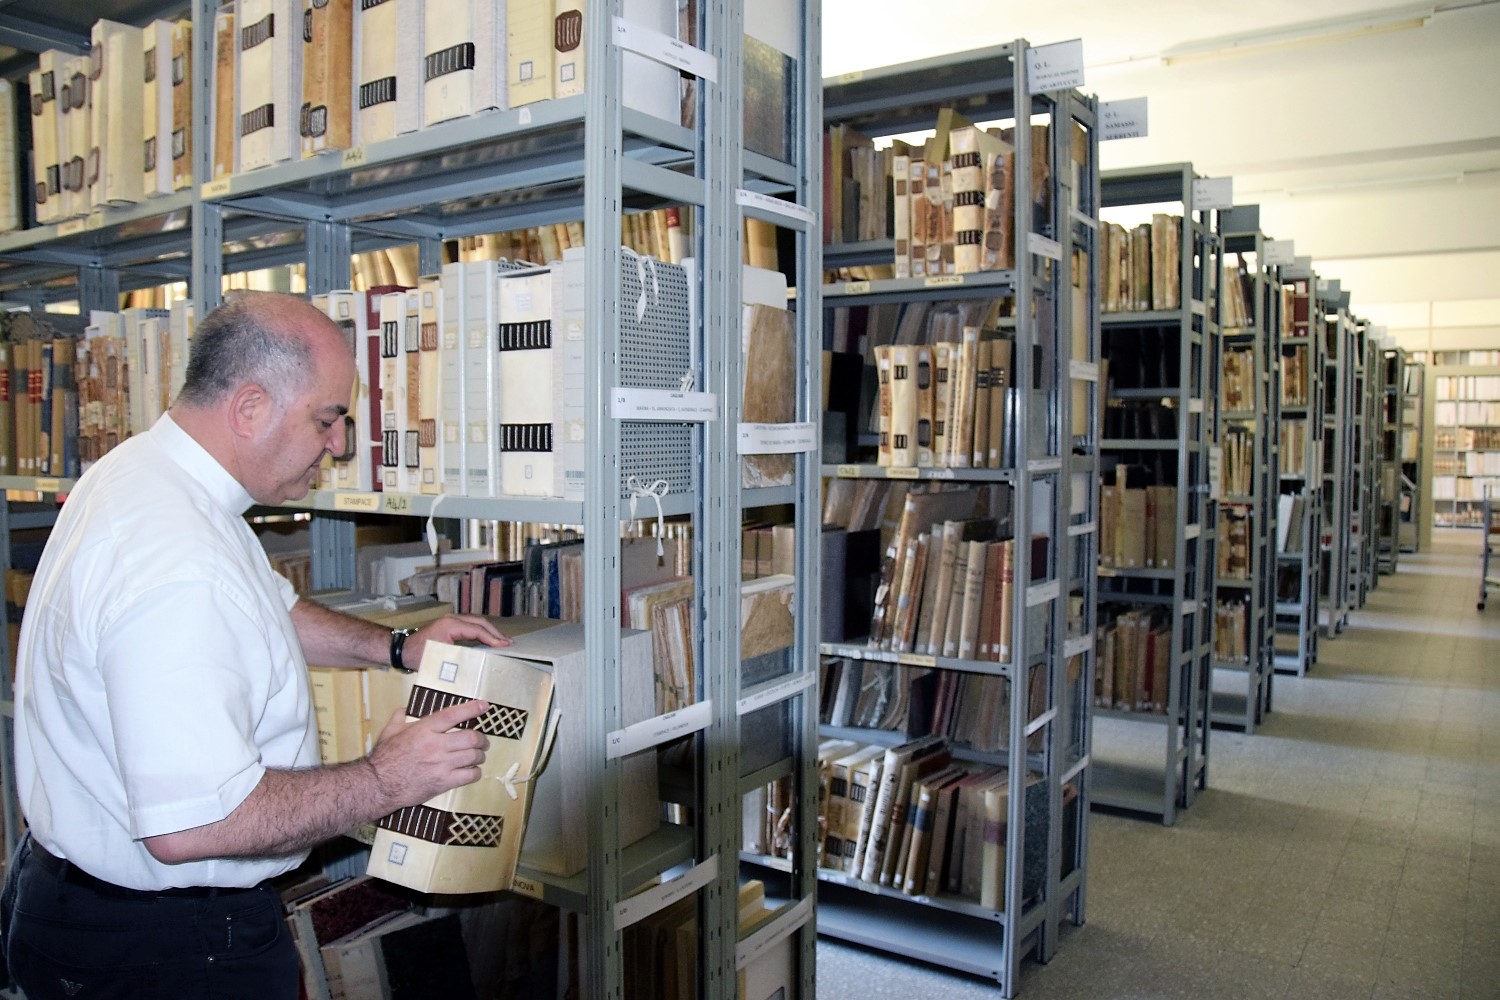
[1341, 337]
[1391, 492]
[1415, 484]
[1463, 410]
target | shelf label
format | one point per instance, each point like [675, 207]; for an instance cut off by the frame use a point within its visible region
[654, 900]
[1192, 531]
[1189, 607]
[1123, 119]
[1041, 465]
[655, 732]
[778, 439]
[523, 115]
[662, 404]
[1195, 406]
[856, 288]
[847, 472]
[1058, 66]
[769, 936]
[918, 660]
[776, 206]
[73, 226]
[1279, 252]
[1084, 371]
[1077, 646]
[943, 281]
[218, 188]
[48, 485]
[1042, 593]
[366, 502]
[942, 474]
[780, 691]
[526, 887]
[1041, 246]
[1215, 470]
[665, 49]
[396, 503]
[1108, 572]
[354, 156]
[1213, 192]
[1075, 530]
[902, 472]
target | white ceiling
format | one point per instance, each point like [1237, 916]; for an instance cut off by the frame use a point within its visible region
[1369, 132]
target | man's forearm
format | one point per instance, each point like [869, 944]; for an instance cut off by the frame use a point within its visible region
[333, 639]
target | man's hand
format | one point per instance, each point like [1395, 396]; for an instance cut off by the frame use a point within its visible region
[451, 628]
[413, 761]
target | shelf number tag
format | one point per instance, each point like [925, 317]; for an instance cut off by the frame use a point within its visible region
[1058, 66]
[780, 691]
[1280, 252]
[1043, 247]
[775, 206]
[73, 226]
[856, 288]
[943, 281]
[654, 900]
[665, 49]
[1213, 192]
[218, 188]
[367, 502]
[526, 887]
[902, 472]
[354, 156]
[1123, 119]
[395, 503]
[48, 485]
[778, 439]
[848, 472]
[655, 732]
[662, 404]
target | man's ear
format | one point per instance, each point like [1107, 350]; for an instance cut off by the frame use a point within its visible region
[250, 407]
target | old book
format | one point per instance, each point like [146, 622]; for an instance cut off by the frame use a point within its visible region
[1005, 600]
[337, 707]
[979, 445]
[463, 70]
[916, 194]
[393, 390]
[903, 404]
[911, 874]
[390, 65]
[226, 131]
[770, 364]
[882, 353]
[998, 238]
[996, 827]
[1132, 541]
[1161, 526]
[973, 589]
[529, 367]
[568, 52]
[920, 511]
[910, 761]
[1001, 349]
[943, 357]
[965, 386]
[477, 361]
[326, 118]
[114, 165]
[269, 81]
[429, 381]
[45, 82]
[73, 134]
[180, 142]
[452, 404]
[529, 49]
[864, 792]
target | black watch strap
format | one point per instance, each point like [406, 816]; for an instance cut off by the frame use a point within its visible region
[398, 643]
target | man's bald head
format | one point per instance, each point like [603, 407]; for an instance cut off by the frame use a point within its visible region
[269, 339]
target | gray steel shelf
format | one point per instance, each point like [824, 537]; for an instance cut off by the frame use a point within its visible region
[857, 471]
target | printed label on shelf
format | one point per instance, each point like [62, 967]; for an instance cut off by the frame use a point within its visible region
[902, 472]
[780, 691]
[1058, 66]
[654, 732]
[1084, 371]
[1215, 470]
[1195, 406]
[942, 474]
[1087, 528]
[73, 226]
[767, 203]
[769, 936]
[1213, 192]
[848, 472]
[665, 49]
[1193, 531]
[1189, 607]
[48, 485]
[662, 404]
[778, 439]
[1279, 252]
[1041, 246]
[368, 502]
[654, 900]
[218, 188]
[354, 156]
[1042, 593]
[1125, 119]
[943, 281]
[1108, 571]
[396, 503]
[526, 887]
[1075, 770]
[917, 660]
[1038, 465]
[1077, 646]
[856, 288]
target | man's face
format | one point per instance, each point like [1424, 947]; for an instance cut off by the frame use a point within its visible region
[298, 434]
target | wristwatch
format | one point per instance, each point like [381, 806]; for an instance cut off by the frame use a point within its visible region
[398, 642]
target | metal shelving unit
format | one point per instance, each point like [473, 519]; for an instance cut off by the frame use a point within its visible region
[1340, 488]
[1464, 442]
[1052, 491]
[1165, 778]
[592, 158]
[1241, 690]
[1415, 487]
[1362, 559]
[1391, 405]
[1298, 562]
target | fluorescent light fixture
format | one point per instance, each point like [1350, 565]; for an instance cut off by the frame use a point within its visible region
[1305, 32]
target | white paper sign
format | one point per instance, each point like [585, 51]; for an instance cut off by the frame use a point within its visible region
[1123, 119]
[1076, 645]
[1058, 66]
[1213, 192]
[780, 691]
[1083, 371]
[1043, 247]
[662, 404]
[1278, 252]
[778, 439]
[766, 203]
[1215, 468]
[772, 934]
[661, 729]
[654, 900]
[665, 49]
[1042, 593]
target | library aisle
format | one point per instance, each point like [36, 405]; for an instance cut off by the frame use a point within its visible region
[1350, 848]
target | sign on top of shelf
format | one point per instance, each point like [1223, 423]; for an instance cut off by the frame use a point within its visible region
[1123, 119]
[1280, 252]
[1213, 192]
[665, 49]
[1058, 66]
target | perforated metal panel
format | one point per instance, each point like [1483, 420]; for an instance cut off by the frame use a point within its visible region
[654, 354]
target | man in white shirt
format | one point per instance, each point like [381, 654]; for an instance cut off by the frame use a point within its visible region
[166, 749]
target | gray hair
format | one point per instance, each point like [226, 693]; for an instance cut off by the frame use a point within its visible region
[247, 339]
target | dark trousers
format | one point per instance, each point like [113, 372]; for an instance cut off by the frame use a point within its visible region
[72, 939]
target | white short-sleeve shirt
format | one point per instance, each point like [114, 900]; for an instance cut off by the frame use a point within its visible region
[159, 674]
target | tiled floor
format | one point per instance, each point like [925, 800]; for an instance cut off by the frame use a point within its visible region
[1350, 848]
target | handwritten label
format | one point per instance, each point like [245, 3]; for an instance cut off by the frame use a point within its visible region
[903, 472]
[1279, 252]
[1042, 593]
[776, 206]
[48, 485]
[856, 288]
[847, 472]
[778, 439]
[918, 660]
[780, 691]
[943, 281]
[218, 188]
[662, 404]
[654, 732]
[354, 156]
[395, 503]
[1123, 119]
[1213, 192]
[1041, 246]
[1055, 67]
[1077, 646]
[654, 900]
[769, 936]
[369, 502]
[526, 887]
[72, 227]
[665, 49]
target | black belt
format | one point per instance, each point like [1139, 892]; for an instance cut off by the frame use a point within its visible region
[67, 871]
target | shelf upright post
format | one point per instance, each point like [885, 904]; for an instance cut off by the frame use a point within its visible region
[205, 218]
[98, 288]
[1411, 446]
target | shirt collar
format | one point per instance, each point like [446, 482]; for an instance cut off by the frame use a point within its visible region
[195, 460]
